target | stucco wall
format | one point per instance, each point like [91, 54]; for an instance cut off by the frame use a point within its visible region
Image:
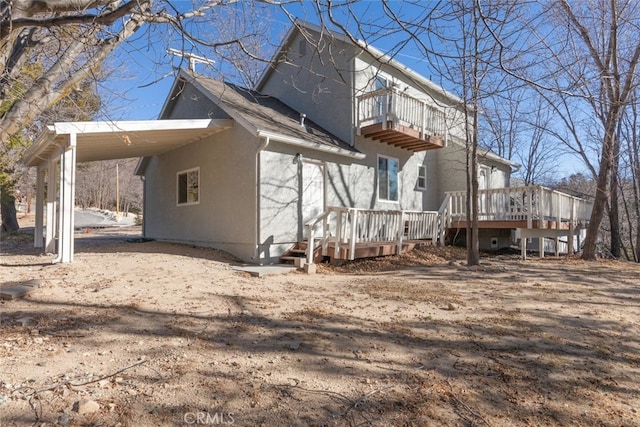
[225, 216]
[323, 94]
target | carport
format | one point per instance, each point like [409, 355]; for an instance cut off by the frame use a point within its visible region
[57, 151]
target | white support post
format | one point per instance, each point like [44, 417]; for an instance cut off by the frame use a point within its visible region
[529, 211]
[541, 246]
[558, 211]
[541, 215]
[570, 238]
[39, 226]
[49, 239]
[67, 173]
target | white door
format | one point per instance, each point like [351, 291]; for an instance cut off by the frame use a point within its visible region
[312, 191]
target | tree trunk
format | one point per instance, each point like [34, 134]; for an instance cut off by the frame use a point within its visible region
[614, 218]
[614, 208]
[8, 210]
[602, 189]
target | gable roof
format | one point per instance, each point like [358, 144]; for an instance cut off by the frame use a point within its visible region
[378, 55]
[268, 117]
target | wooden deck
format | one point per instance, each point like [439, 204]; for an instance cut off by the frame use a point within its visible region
[371, 250]
[401, 136]
[362, 250]
[350, 233]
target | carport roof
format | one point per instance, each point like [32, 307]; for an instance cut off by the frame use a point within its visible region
[123, 139]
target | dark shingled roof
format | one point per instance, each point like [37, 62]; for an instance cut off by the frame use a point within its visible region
[267, 113]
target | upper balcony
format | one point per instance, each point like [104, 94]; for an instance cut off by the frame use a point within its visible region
[396, 118]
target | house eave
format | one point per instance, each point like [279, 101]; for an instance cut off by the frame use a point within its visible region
[306, 144]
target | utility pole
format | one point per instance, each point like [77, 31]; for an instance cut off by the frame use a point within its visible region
[193, 59]
[117, 189]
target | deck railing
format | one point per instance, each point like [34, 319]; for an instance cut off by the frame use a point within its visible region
[344, 228]
[528, 203]
[395, 106]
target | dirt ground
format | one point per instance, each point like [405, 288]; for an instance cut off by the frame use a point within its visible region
[153, 334]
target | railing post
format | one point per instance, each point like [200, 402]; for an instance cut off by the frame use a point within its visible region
[400, 216]
[354, 227]
[423, 113]
[339, 235]
[310, 244]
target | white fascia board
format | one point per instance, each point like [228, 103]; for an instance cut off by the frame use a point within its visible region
[131, 126]
[306, 144]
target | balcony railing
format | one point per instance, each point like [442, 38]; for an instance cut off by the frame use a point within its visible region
[529, 204]
[399, 119]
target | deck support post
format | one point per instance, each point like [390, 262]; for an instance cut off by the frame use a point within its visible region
[570, 238]
[39, 226]
[541, 246]
[50, 231]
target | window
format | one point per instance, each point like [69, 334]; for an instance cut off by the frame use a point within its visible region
[189, 187]
[388, 178]
[421, 184]
[380, 83]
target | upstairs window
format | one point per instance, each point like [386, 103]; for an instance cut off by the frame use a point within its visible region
[421, 183]
[189, 187]
[388, 169]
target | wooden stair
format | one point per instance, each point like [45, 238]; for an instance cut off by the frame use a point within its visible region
[297, 255]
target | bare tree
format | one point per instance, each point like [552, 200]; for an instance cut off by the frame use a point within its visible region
[585, 53]
[71, 39]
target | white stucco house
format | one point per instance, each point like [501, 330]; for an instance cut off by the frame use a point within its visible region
[337, 145]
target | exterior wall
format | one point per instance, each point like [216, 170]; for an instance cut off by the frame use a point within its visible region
[225, 216]
[451, 170]
[191, 104]
[325, 94]
[349, 183]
